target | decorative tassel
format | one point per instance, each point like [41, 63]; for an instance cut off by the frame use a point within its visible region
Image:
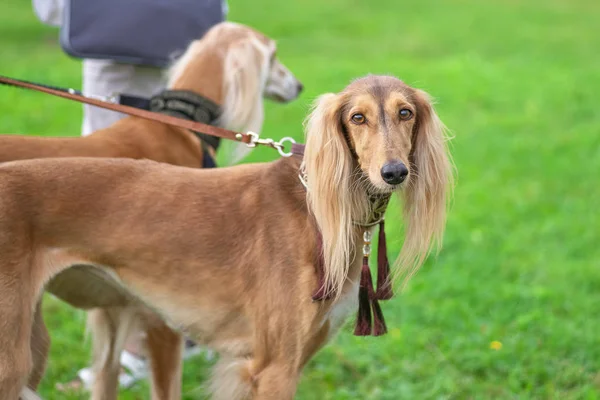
[365, 293]
[379, 327]
[384, 283]
[366, 324]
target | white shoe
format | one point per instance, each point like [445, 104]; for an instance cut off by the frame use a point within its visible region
[137, 369]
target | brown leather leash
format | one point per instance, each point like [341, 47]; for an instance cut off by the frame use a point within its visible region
[250, 138]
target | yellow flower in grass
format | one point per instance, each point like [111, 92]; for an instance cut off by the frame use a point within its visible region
[395, 333]
[495, 345]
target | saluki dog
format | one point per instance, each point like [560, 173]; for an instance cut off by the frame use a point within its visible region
[231, 256]
[226, 74]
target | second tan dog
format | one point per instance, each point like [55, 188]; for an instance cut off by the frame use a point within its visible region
[229, 254]
[232, 66]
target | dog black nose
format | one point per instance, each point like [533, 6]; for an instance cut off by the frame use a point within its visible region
[394, 172]
[300, 87]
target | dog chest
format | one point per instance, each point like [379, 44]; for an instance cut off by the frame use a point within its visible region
[342, 308]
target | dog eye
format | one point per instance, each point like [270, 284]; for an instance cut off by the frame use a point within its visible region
[358, 118]
[405, 114]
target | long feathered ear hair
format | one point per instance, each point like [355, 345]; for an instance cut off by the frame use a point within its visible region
[330, 176]
[245, 71]
[425, 194]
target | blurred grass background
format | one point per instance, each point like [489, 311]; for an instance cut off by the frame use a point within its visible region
[517, 82]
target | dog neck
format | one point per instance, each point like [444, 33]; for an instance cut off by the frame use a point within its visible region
[202, 75]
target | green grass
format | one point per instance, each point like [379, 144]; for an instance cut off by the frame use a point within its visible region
[518, 83]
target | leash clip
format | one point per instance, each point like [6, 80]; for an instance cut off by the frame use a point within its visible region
[279, 146]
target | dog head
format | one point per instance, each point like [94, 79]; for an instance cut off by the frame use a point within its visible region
[377, 136]
[382, 127]
[236, 67]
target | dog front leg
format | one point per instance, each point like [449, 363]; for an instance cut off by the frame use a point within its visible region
[277, 357]
[277, 381]
[231, 379]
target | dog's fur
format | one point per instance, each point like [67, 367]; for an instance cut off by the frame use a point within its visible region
[233, 66]
[227, 254]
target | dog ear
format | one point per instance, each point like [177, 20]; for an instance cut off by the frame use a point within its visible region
[243, 86]
[427, 189]
[325, 141]
[329, 167]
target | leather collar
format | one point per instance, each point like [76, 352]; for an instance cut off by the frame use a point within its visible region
[191, 106]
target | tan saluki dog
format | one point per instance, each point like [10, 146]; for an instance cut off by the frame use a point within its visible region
[233, 66]
[228, 255]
